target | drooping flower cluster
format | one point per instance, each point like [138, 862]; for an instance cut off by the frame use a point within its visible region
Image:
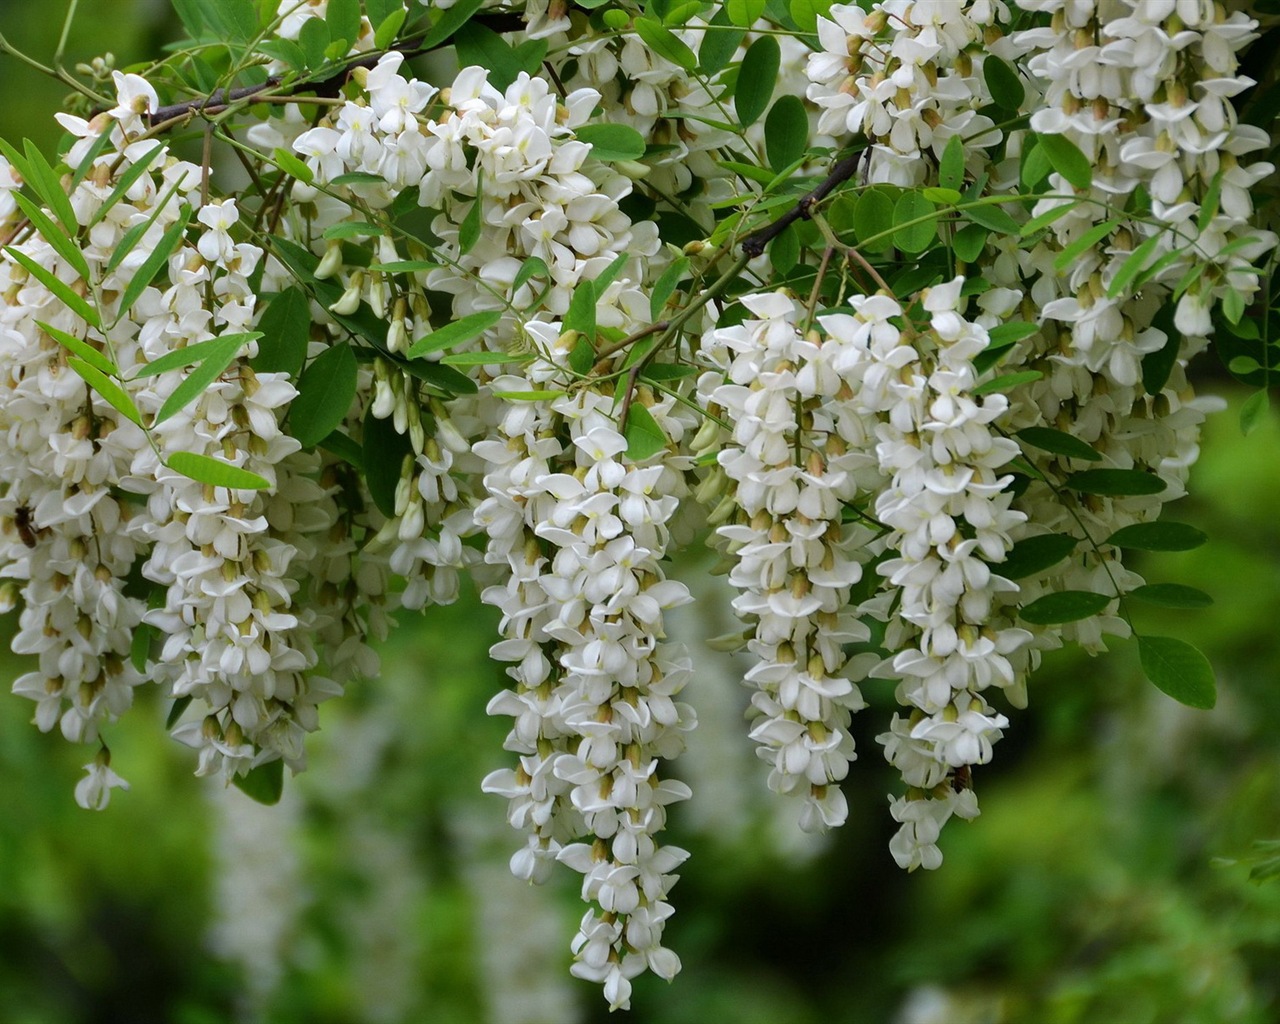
[486, 326]
[797, 450]
[580, 529]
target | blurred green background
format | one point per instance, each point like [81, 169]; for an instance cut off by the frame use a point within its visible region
[1091, 889]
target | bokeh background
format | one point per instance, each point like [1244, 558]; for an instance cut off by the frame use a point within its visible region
[1107, 879]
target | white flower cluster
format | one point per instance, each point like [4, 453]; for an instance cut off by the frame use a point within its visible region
[908, 75]
[580, 529]
[797, 447]
[948, 509]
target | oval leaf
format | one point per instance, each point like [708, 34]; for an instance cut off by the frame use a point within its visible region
[1004, 83]
[1115, 482]
[610, 142]
[1179, 669]
[456, 333]
[1162, 536]
[285, 327]
[1067, 160]
[756, 79]
[786, 132]
[109, 390]
[873, 220]
[214, 360]
[1171, 595]
[1058, 442]
[1064, 606]
[325, 391]
[1036, 554]
[214, 472]
[265, 783]
[915, 219]
[644, 437]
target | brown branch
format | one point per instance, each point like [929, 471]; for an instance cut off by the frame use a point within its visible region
[754, 244]
[220, 99]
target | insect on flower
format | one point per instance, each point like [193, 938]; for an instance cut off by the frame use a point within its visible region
[25, 527]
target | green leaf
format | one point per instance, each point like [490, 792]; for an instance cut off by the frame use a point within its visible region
[291, 165]
[180, 704]
[666, 44]
[487, 358]
[1067, 160]
[1171, 595]
[443, 378]
[196, 352]
[745, 13]
[343, 19]
[46, 184]
[59, 288]
[1115, 482]
[1007, 382]
[469, 229]
[1209, 205]
[667, 371]
[357, 177]
[1158, 536]
[611, 142]
[786, 132]
[1003, 81]
[265, 783]
[81, 348]
[109, 390]
[1233, 306]
[644, 437]
[1179, 670]
[405, 267]
[455, 333]
[325, 391]
[1035, 166]
[951, 167]
[541, 395]
[1064, 606]
[214, 472]
[914, 237]
[610, 273]
[1243, 365]
[1156, 366]
[1045, 219]
[1049, 440]
[1083, 244]
[313, 39]
[941, 196]
[581, 315]
[1253, 411]
[666, 286]
[343, 447]
[719, 44]
[156, 259]
[969, 242]
[480, 45]
[1034, 555]
[54, 235]
[286, 51]
[385, 34]
[214, 360]
[807, 12]
[126, 180]
[450, 20]
[285, 329]
[784, 250]
[1012, 332]
[384, 453]
[990, 216]
[1132, 266]
[756, 79]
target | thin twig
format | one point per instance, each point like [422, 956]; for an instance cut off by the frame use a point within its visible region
[218, 100]
[754, 244]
